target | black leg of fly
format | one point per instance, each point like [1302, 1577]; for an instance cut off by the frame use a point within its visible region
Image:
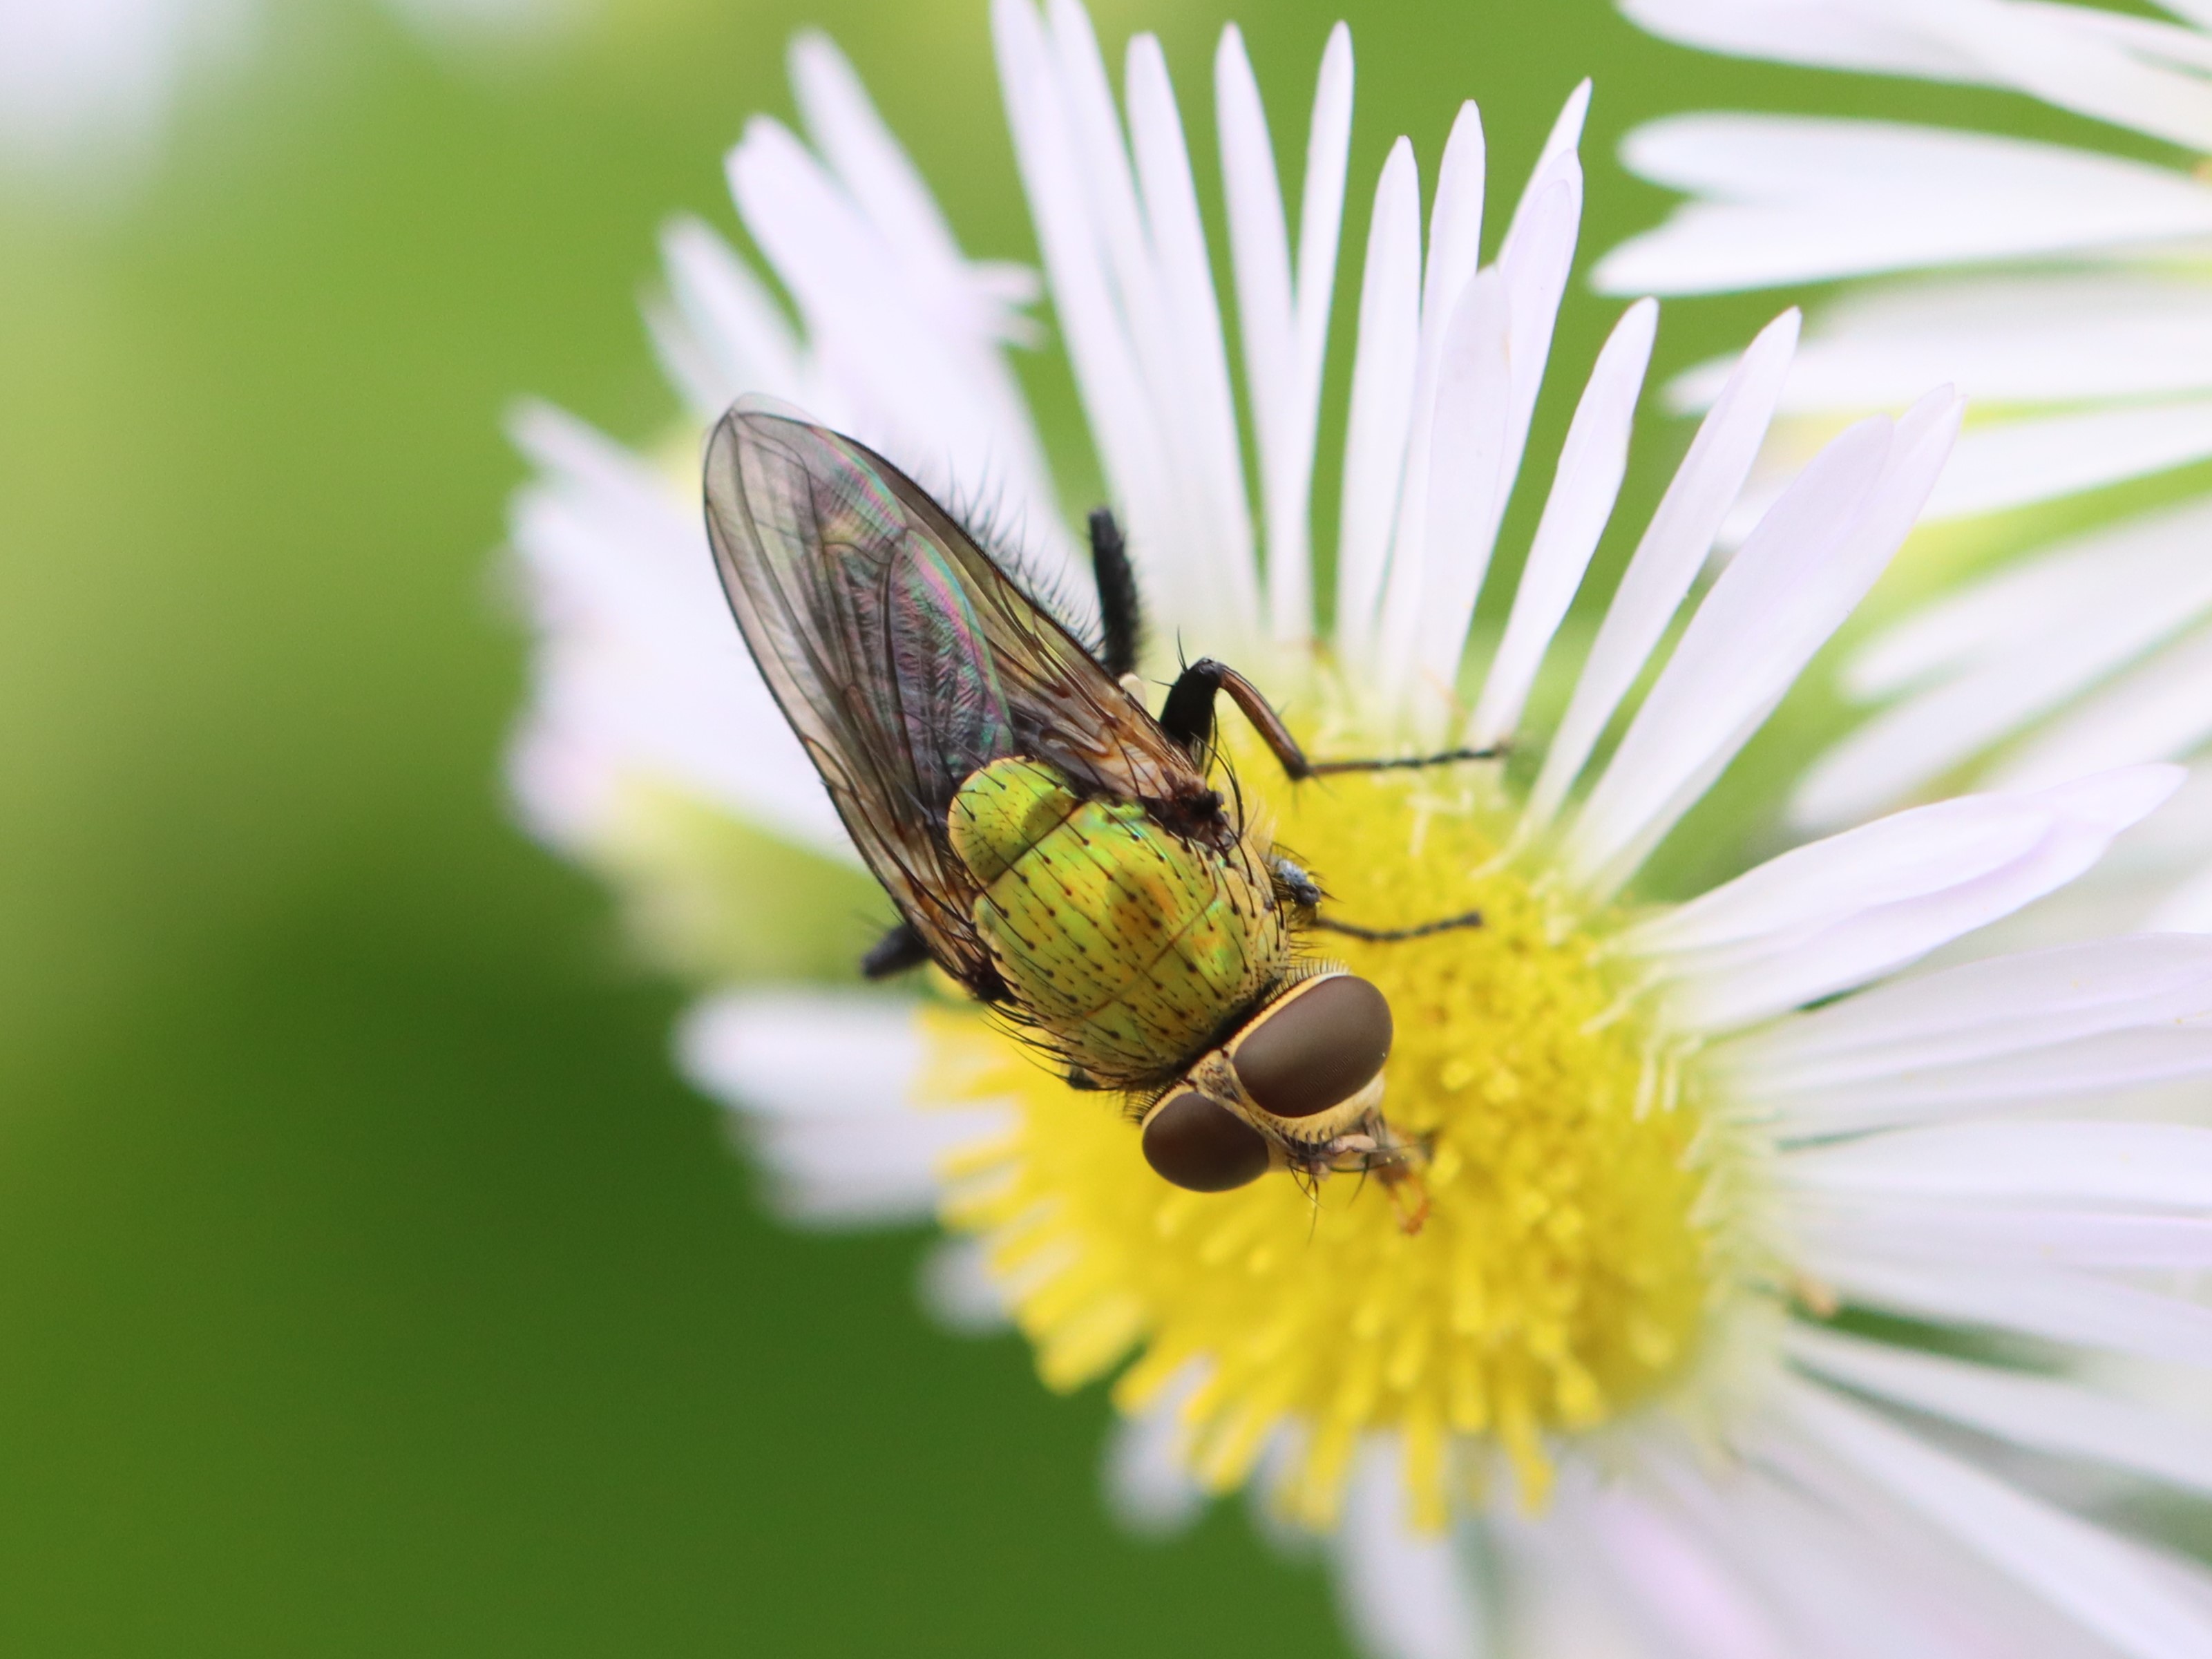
[896, 952]
[1121, 614]
[1188, 717]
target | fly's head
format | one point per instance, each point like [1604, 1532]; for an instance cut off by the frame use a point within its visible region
[1299, 1087]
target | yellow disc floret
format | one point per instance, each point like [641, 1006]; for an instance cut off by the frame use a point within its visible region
[1571, 1261]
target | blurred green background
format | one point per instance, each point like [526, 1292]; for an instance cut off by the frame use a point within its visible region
[368, 1285]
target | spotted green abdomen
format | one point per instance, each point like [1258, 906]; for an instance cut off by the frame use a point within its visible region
[1126, 943]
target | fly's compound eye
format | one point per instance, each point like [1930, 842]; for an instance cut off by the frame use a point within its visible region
[1192, 1141]
[1314, 1048]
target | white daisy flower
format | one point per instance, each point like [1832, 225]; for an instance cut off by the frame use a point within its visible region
[2079, 322]
[1643, 1384]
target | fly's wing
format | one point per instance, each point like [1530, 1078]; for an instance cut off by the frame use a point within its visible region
[905, 659]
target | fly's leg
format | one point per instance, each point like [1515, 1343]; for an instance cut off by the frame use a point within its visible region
[896, 952]
[1188, 717]
[1120, 613]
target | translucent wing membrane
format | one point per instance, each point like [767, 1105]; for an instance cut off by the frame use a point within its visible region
[906, 660]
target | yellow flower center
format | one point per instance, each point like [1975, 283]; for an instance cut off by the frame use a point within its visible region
[1571, 1259]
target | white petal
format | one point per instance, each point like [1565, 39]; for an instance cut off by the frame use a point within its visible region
[1592, 462]
[2043, 1413]
[2019, 645]
[1694, 1600]
[2046, 338]
[1796, 199]
[2114, 1588]
[1834, 36]
[1382, 376]
[823, 1084]
[2072, 56]
[1060, 187]
[1149, 1486]
[1455, 244]
[1199, 393]
[957, 1289]
[2092, 1018]
[2011, 464]
[1402, 1593]
[730, 315]
[1836, 914]
[1284, 324]
[2164, 708]
[1432, 595]
[1667, 560]
[890, 190]
[1948, 1232]
[937, 401]
[1807, 565]
[2146, 1164]
[642, 678]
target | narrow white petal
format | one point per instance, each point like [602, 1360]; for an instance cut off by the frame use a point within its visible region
[731, 313]
[2090, 1019]
[1592, 462]
[2050, 337]
[2163, 708]
[1947, 1232]
[642, 679]
[886, 185]
[2117, 1588]
[1259, 255]
[2019, 645]
[1564, 137]
[1667, 559]
[2012, 464]
[2150, 1165]
[937, 401]
[1695, 1600]
[2043, 1413]
[1320, 223]
[1425, 620]
[1854, 1586]
[1381, 401]
[824, 1084]
[1838, 912]
[1810, 562]
[1468, 497]
[1834, 36]
[1200, 391]
[1455, 246]
[1798, 199]
[1404, 1594]
[2085, 59]
[1054, 179]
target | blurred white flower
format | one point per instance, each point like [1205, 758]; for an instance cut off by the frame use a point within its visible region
[2079, 322]
[1598, 1405]
[89, 87]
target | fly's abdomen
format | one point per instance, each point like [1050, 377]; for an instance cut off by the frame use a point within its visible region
[1124, 942]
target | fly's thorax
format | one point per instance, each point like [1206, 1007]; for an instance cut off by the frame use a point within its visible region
[1126, 946]
[1298, 1086]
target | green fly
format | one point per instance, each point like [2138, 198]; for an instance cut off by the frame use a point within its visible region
[1049, 842]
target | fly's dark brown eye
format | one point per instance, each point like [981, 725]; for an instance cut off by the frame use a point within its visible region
[1315, 1047]
[1195, 1142]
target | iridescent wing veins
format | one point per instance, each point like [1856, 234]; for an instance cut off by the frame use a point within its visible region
[905, 659]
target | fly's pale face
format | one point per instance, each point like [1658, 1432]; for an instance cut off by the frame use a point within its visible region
[1295, 1087]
